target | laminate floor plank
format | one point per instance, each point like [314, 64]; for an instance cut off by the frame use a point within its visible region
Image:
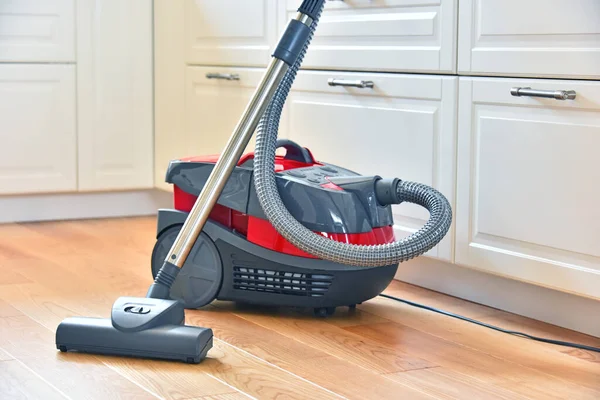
[337, 342]
[79, 376]
[18, 382]
[225, 396]
[4, 356]
[6, 310]
[499, 318]
[479, 366]
[540, 356]
[450, 385]
[310, 363]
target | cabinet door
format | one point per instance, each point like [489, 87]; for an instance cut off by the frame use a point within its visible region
[390, 35]
[38, 135]
[215, 105]
[114, 84]
[528, 174]
[533, 38]
[230, 32]
[37, 31]
[402, 127]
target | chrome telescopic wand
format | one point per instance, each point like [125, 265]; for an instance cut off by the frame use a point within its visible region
[288, 49]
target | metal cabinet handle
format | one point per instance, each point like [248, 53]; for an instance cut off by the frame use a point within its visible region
[550, 94]
[228, 77]
[351, 83]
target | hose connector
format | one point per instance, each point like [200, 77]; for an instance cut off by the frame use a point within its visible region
[386, 191]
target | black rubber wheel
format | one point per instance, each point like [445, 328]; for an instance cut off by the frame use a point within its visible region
[199, 281]
[320, 312]
[323, 312]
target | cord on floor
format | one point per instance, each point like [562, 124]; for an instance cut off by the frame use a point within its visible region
[510, 332]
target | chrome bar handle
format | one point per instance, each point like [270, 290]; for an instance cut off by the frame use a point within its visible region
[549, 94]
[228, 77]
[350, 83]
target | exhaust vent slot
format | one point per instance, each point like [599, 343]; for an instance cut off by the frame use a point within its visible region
[281, 282]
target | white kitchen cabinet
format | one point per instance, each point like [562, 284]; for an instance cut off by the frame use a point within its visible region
[533, 38]
[37, 31]
[169, 86]
[381, 35]
[229, 32]
[215, 99]
[114, 86]
[404, 126]
[38, 150]
[527, 183]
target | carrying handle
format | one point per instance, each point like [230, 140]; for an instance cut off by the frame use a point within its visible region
[295, 152]
[550, 94]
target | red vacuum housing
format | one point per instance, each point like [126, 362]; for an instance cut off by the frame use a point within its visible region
[259, 230]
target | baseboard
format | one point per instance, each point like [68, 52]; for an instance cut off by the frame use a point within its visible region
[543, 304]
[64, 206]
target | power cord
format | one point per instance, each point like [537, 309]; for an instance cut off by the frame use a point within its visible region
[516, 333]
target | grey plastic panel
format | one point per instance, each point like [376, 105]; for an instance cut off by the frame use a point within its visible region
[317, 208]
[168, 217]
[191, 177]
[131, 314]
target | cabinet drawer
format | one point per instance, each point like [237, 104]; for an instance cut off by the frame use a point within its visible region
[37, 31]
[382, 35]
[214, 106]
[533, 38]
[527, 183]
[230, 32]
[402, 127]
[38, 135]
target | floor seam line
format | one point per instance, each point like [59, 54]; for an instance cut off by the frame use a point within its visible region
[281, 369]
[37, 375]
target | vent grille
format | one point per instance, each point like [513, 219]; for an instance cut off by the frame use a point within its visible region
[281, 282]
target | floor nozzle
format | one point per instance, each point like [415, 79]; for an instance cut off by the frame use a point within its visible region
[139, 327]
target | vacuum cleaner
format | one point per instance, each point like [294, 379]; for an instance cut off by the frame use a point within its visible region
[262, 228]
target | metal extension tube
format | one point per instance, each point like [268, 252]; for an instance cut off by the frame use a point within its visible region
[226, 163]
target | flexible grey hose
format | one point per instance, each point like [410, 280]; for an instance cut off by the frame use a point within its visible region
[296, 233]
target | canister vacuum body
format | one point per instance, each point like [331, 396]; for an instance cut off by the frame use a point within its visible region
[241, 257]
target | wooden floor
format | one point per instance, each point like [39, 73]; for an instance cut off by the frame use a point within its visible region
[383, 350]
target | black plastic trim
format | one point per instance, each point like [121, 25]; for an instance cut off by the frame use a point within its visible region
[311, 7]
[292, 42]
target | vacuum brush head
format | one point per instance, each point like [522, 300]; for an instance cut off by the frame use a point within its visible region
[138, 327]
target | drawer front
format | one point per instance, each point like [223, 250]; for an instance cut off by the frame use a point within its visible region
[230, 32]
[533, 38]
[382, 35]
[402, 127]
[527, 183]
[38, 136]
[37, 31]
[214, 106]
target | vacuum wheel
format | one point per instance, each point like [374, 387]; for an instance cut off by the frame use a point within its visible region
[199, 281]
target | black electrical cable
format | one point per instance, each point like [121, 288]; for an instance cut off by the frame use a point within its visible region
[516, 333]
